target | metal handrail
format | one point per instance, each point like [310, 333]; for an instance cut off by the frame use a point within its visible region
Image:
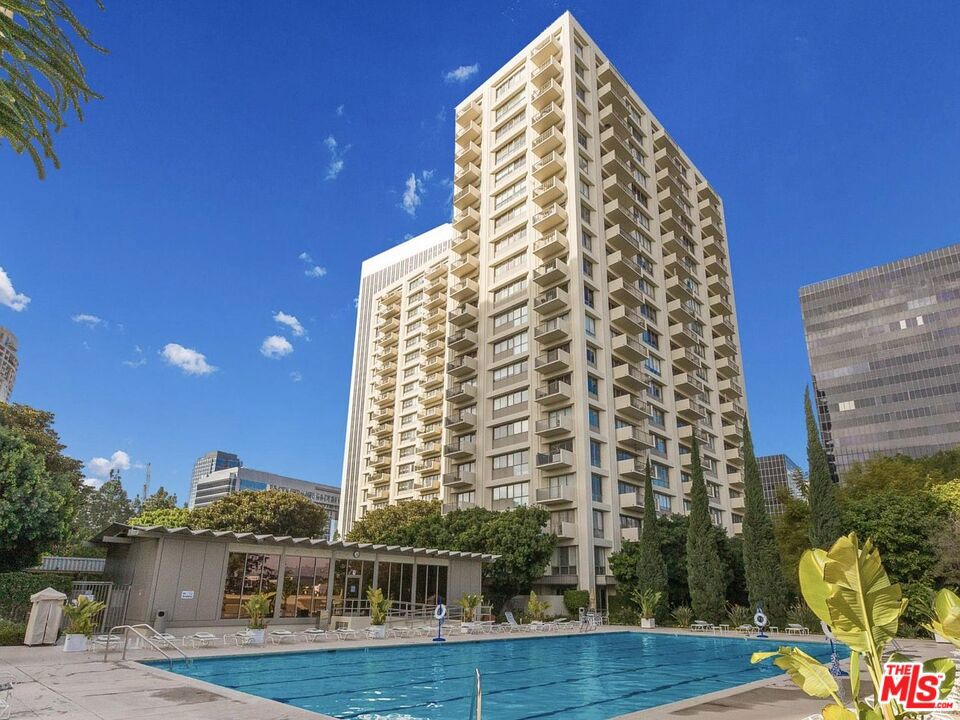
[476, 707]
[128, 628]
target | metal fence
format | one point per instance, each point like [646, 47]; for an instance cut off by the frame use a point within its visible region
[115, 597]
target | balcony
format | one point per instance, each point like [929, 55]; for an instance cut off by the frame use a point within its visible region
[682, 288]
[622, 239]
[555, 460]
[716, 264]
[462, 341]
[632, 500]
[462, 393]
[459, 480]
[625, 292]
[548, 166]
[467, 197]
[378, 478]
[624, 265]
[437, 316]
[547, 142]
[384, 399]
[465, 243]
[388, 339]
[432, 397]
[688, 384]
[686, 359]
[546, 94]
[551, 427]
[433, 363]
[629, 376]
[434, 331]
[461, 421]
[549, 191]
[382, 413]
[683, 311]
[725, 347]
[432, 380]
[391, 296]
[550, 273]
[431, 449]
[447, 508]
[552, 331]
[632, 407]
[381, 462]
[433, 431]
[549, 218]
[628, 348]
[727, 368]
[467, 174]
[466, 219]
[689, 410]
[720, 305]
[730, 388]
[547, 118]
[735, 479]
[550, 245]
[555, 495]
[551, 301]
[718, 285]
[465, 290]
[732, 411]
[549, 46]
[554, 392]
[634, 438]
[385, 382]
[463, 315]
[434, 298]
[434, 347]
[563, 530]
[723, 325]
[683, 336]
[383, 429]
[467, 133]
[732, 456]
[429, 415]
[467, 154]
[465, 266]
[460, 450]
[388, 325]
[627, 321]
[631, 468]
[463, 367]
[552, 362]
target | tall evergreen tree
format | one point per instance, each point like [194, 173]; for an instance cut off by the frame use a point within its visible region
[651, 568]
[824, 514]
[705, 572]
[761, 557]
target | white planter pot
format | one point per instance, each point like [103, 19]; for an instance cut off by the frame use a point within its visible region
[648, 623]
[74, 643]
[378, 631]
[257, 637]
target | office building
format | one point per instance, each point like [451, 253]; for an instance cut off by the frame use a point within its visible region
[8, 363]
[884, 349]
[582, 322]
[220, 483]
[777, 472]
[377, 273]
[209, 463]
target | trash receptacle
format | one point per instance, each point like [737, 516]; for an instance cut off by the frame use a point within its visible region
[160, 623]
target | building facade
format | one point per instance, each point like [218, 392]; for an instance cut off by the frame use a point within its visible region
[884, 350]
[8, 363]
[777, 472]
[379, 272]
[582, 322]
[220, 483]
[209, 463]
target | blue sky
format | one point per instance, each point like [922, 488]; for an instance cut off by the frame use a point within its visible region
[231, 142]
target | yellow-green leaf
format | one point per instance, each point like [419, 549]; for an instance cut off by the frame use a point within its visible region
[949, 669]
[815, 590]
[946, 620]
[837, 712]
[807, 673]
[855, 674]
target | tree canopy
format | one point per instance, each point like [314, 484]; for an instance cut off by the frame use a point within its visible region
[267, 512]
[36, 426]
[704, 563]
[102, 506]
[164, 516]
[386, 524]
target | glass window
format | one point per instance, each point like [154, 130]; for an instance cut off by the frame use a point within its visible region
[248, 574]
[593, 416]
[593, 386]
[516, 493]
[595, 453]
[596, 487]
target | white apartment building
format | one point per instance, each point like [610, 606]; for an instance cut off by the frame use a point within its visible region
[582, 321]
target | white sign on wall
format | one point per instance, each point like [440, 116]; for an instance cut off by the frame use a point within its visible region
[186, 594]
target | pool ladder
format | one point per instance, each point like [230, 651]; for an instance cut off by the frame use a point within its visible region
[476, 709]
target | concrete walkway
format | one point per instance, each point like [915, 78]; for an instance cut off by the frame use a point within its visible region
[80, 686]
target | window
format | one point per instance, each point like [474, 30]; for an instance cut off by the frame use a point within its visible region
[508, 371]
[588, 297]
[248, 574]
[509, 400]
[586, 240]
[591, 356]
[660, 474]
[305, 584]
[511, 318]
[655, 391]
[653, 364]
[660, 444]
[662, 502]
[590, 325]
[510, 290]
[582, 138]
[596, 487]
[431, 583]
[510, 105]
[512, 192]
[516, 494]
[593, 386]
[503, 269]
[593, 418]
[515, 463]
[508, 149]
[651, 338]
[508, 217]
[507, 85]
[505, 129]
[407, 451]
[514, 345]
[595, 453]
[586, 213]
[598, 523]
[511, 240]
[587, 268]
[510, 167]
[519, 427]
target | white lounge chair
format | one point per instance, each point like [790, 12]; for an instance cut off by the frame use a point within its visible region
[314, 634]
[200, 640]
[746, 629]
[561, 623]
[6, 692]
[511, 625]
[241, 638]
[795, 629]
[701, 626]
[348, 634]
[278, 636]
[165, 639]
[106, 641]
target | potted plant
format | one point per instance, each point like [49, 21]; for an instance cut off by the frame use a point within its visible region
[80, 615]
[379, 607]
[257, 607]
[648, 601]
[470, 603]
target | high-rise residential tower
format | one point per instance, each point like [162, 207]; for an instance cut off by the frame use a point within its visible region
[206, 464]
[586, 321]
[377, 273]
[884, 349]
[778, 472]
[8, 363]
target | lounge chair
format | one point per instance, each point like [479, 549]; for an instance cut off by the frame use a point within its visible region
[314, 634]
[242, 638]
[165, 639]
[511, 625]
[6, 692]
[795, 629]
[278, 636]
[746, 628]
[400, 632]
[200, 639]
[106, 641]
[348, 634]
[561, 623]
[701, 626]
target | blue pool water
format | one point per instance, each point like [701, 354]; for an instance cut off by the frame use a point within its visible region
[593, 676]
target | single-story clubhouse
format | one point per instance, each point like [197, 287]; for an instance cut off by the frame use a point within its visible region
[202, 577]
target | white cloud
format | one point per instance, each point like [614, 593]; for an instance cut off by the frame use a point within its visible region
[295, 376]
[305, 256]
[88, 320]
[138, 361]
[290, 321]
[462, 73]
[413, 191]
[340, 110]
[316, 271]
[275, 347]
[101, 467]
[187, 359]
[10, 297]
[93, 482]
[336, 157]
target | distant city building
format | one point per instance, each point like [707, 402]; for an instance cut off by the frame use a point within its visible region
[884, 348]
[209, 463]
[221, 483]
[776, 472]
[8, 363]
[377, 273]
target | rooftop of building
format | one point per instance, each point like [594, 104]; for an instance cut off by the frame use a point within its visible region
[406, 249]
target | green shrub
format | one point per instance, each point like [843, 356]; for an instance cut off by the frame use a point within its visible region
[739, 615]
[17, 587]
[11, 633]
[801, 614]
[682, 616]
[573, 600]
[625, 615]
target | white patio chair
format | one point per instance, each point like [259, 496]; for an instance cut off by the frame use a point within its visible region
[701, 626]
[314, 634]
[165, 639]
[795, 629]
[101, 642]
[200, 640]
[241, 638]
[277, 637]
[6, 694]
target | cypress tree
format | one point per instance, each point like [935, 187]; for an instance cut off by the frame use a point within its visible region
[704, 564]
[651, 568]
[824, 517]
[761, 557]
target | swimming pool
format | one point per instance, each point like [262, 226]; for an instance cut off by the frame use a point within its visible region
[593, 676]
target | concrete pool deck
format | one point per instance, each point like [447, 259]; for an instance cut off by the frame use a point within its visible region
[80, 686]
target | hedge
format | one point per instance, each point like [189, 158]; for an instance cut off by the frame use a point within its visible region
[11, 633]
[17, 587]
